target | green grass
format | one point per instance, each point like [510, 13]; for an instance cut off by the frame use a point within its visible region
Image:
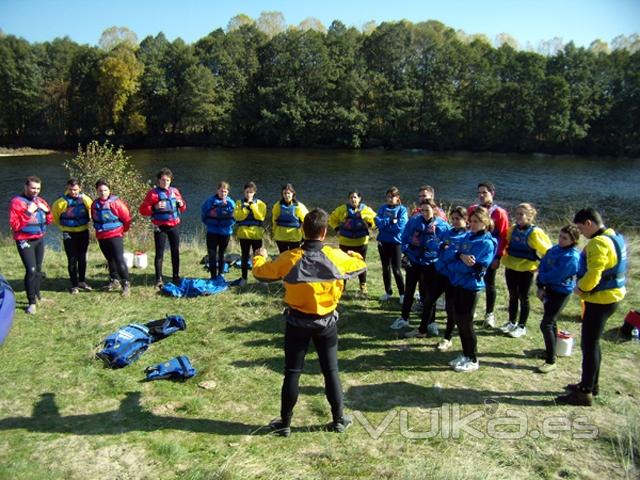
[63, 415]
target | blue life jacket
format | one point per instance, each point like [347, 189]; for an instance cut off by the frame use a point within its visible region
[558, 269]
[195, 287]
[37, 221]
[423, 245]
[170, 211]
[220, 216]
[104, 220]
[614, 277]
[519, 244]
[76, 213]
[354, 226]
[178, 368]
[125, 346]
[160, 329]
[250, 221]
[287, 217]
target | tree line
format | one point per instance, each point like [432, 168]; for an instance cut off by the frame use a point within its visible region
[395, 85]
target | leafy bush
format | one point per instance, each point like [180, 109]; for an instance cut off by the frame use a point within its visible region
[105, 161]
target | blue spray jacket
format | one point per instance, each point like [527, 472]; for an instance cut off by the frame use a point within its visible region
[421, 239]
[558, 269]
[449, 249]
[217, 216]
[391, 222]
[483, 247]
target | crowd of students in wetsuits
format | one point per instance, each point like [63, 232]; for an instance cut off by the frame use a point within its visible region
[456, 259]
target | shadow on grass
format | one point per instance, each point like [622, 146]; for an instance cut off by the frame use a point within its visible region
[129, 417]
[386, 396]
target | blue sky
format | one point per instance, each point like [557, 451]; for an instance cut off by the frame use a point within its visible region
[528, 21]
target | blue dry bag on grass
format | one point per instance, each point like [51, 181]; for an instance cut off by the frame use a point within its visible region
[178, 368]
[125, 346]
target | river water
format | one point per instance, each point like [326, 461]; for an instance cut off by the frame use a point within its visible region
[556, 185]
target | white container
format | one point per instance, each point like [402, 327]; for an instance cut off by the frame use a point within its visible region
[128, 259]
[140, 260]
[564, 344]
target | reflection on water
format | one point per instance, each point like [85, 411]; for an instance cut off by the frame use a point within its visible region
[557, 185]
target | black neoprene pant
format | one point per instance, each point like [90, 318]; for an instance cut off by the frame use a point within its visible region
[519, 285]
[296, 344]
[593, 321]
[415, 279]
[284, 246]
[76, 245]
[390, 256]
[464, 305]
[553, 304]
[113, 251]
[435, 285]
[32, 254]
[216, 246]
[160, 235]
[246, 246]
[490, 288]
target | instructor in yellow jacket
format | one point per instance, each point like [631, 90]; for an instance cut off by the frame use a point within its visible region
[352, 222]
[71, 212]
[314, 277]
[601, 285]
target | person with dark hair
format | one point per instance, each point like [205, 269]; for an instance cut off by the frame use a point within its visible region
[473, 257]
[71, 212]
[391, 219]
[29, 215]
[249, 214]
[601, 286]
[421, 240]
[314, 277]
[164, 204]
[352, 221]
[446, 255]
[555, 281]
[111, 220]
[526, 245]
[500, 218]
[287, 217]
[217, 215]
[427, 192]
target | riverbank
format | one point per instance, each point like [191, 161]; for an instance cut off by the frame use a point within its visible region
[24, 151]
[412, 409]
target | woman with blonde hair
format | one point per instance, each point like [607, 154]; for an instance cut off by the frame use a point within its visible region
[526, 245]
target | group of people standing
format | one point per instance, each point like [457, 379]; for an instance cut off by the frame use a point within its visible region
[457, 256]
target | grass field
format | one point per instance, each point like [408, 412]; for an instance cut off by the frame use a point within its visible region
[64, 416]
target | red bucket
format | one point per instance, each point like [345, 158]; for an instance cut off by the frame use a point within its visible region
[633, 318]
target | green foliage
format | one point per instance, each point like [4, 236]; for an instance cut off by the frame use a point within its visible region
[97, 161]
[397, 84]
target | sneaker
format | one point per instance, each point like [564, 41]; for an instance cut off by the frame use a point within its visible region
[445, 345]
[74, 290]
[126, 291]
[547, 367]
[242, 282]
[417, 306]
[401, 299]
[113, 285]
[459, 359]
[277, 428]
[31, 309]
[399, 323]
[507, 327]
[159, 284]
[575, 387]
[384, 297]
[341, 425]
[518, 332]
[415, 334]
[490, 320]
[440, 303]
[364, 291]
[432, 329]
[84, 286]
[577, 397]
[467, 366]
